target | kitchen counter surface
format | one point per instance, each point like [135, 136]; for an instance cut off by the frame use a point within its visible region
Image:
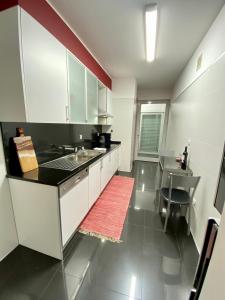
[55, 177]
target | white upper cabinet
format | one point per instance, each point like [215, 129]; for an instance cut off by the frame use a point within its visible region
[83, 93]
[102, 99]
[92, 98]
[11, 87]
[33, 75]
[104, 105]
[40, 80]
[45, 73]
[77, 97]
[109, 102]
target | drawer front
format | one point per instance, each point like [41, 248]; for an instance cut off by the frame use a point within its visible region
[94, 183]
[74, 207]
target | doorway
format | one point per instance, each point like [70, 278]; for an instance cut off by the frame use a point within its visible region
[150, 131]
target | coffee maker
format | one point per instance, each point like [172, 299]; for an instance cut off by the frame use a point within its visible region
[106, 139]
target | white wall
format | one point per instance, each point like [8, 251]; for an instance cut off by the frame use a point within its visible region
[155, 108]
[153, 94]
[211, 47]
[197, 114]
[8, 234]
[124, 112]
[124, 88]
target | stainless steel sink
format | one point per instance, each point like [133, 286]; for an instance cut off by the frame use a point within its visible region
[72, 161]
[83, 155]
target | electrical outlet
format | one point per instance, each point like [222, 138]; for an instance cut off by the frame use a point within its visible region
[81, 137]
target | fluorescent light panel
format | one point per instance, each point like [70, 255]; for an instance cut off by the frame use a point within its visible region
[151, 16]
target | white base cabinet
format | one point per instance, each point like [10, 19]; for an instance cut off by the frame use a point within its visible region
[110, 164]
[94, 182]
[74, 207]
[105, 171]
[36, 211]
[46, 217]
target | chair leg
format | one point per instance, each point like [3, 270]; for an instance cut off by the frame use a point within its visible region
[167, 217]
[189, 220]
[159, 201]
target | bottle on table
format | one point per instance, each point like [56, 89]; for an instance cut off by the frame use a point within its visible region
[184, 159]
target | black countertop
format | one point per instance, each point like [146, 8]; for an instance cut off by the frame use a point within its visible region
[55, 177]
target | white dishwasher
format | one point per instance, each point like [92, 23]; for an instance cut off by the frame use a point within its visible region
[73, 203]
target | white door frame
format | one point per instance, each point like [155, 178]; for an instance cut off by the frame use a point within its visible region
[163, 128]
[160, 134]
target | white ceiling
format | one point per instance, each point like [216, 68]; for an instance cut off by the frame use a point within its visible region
[113, 30]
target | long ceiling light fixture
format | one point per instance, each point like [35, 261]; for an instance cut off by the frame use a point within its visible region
[151, 17]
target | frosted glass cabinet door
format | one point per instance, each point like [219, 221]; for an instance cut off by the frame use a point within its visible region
[92, 98]
[76, 90]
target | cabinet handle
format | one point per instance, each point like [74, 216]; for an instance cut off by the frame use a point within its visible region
[77, 180]
[67, 113]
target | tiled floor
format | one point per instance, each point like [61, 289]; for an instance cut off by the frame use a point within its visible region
[148, 265]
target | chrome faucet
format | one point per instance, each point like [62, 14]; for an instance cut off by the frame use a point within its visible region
[80, 148]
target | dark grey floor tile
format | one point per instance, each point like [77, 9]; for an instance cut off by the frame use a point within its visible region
[148, 264]
[158, 242]
[135, 217]
[153, 220]
[78, 260]
[31, 273]
[76, 239]
[121, 257]
[100, 293]
[118, 280]
[133, 236]
[61, 287]
[154, 291]
[143, 200]
[178, 292]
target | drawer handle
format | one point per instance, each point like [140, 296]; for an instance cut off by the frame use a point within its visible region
[77, 180]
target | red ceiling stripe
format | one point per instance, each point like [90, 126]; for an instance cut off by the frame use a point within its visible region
[5, 4]
[44, 14]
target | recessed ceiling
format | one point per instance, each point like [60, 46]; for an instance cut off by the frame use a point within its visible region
[113, 30]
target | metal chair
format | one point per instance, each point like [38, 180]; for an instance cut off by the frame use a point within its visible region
[178, 190]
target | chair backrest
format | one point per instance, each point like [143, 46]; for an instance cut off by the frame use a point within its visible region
[187, 183]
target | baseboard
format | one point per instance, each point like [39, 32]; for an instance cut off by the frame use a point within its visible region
[196, 246]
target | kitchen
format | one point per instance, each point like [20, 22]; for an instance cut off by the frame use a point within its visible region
[70, 102]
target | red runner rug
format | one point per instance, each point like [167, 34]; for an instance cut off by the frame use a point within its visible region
[106, 218]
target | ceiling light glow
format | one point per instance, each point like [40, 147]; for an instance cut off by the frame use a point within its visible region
[151, 17]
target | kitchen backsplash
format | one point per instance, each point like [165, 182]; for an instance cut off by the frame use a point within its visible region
[47, 137]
